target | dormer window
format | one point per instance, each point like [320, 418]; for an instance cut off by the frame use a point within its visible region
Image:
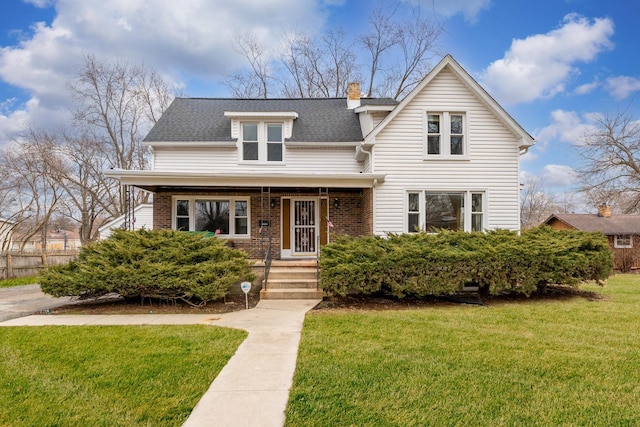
[250, 146]
[274, 142]
[262, 142]
[261, 135]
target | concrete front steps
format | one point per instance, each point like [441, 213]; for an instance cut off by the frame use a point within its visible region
[292, 279]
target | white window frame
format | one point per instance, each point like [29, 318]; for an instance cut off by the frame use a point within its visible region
[467, 212]
[445, 134]
[622, 245]
[232, 213]
[263, 142]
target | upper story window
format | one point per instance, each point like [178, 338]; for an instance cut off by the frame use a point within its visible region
[446, 135]
[262, 142]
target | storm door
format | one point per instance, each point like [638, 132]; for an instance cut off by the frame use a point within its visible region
[305, 226]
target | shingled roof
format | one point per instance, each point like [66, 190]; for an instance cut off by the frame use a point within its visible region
[202, 119]
[615, 224]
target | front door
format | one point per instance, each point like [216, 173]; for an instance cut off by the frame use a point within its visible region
[304, 224]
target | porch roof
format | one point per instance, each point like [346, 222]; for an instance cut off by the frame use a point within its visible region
[153, 180]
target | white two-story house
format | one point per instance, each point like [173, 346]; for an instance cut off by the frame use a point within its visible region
[287, 174]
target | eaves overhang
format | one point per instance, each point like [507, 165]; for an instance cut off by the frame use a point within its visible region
[153, 180]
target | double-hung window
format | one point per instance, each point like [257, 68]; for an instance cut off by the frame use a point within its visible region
[446, 135]
[262, 142]
[226, 217]
[250, 145]
[622, 241]
[449, 210]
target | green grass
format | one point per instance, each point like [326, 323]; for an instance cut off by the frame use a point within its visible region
[550, 363]
[108, 376]
[18, 281]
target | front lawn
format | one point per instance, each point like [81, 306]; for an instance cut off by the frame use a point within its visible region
[569, 362]
[108, 375]
[18, 281]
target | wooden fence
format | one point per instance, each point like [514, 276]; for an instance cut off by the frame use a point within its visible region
[21, 265]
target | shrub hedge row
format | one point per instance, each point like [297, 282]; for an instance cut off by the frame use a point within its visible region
[165, 264]
[422, 264]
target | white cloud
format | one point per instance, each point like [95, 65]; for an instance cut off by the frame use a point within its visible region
[40, 3]
[622, 87]
[182, 40]
[587, 87]
[540, 65]
[470, 9]
[566, 126]
[558, 176]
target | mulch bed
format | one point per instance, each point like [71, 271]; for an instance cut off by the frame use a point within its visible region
[378, 302]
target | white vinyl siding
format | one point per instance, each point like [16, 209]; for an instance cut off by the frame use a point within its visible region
[492, 165]
[142, 218]
[321, 160]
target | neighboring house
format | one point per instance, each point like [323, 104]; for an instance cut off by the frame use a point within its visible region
[622, 231]
[6, 234]
[56, 241]
[289, 173]
[142, 218]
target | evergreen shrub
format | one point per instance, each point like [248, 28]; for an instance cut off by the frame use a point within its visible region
[420, 264]
[165, 264]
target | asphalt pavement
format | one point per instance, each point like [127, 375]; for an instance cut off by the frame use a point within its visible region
[19, 301]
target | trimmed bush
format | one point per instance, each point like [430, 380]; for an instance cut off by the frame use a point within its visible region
[164, 264]
[420, 264]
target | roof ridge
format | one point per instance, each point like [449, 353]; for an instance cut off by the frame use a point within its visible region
[278, 99]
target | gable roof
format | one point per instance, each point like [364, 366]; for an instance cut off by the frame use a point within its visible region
[615, 224]
[203, 119]
[525, 140]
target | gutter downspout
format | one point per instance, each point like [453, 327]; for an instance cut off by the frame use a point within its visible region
[373, 188]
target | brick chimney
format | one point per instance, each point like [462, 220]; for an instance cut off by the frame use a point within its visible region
[353, 96]
[604, 211]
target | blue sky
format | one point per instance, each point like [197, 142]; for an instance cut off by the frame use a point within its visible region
[553, 64]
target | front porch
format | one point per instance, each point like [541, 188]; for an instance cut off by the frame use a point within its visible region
[283, 228]
[268, 223]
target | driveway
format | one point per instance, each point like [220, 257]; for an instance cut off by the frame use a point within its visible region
[21, 301]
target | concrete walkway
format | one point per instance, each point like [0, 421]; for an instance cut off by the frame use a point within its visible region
[253, 388]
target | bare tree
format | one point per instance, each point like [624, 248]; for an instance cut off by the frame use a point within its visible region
[339, 65]
[298, 56]
[416, 41]
[536, 203]
[381, 38]
[321, 68]
[611, 162]
[117, 104]
[59, 174]
[33, 190]
[255, 82]
[399, 45]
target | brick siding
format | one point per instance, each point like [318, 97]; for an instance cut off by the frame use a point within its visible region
[352, 216]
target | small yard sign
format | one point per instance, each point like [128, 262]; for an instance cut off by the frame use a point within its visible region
[246, 287]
